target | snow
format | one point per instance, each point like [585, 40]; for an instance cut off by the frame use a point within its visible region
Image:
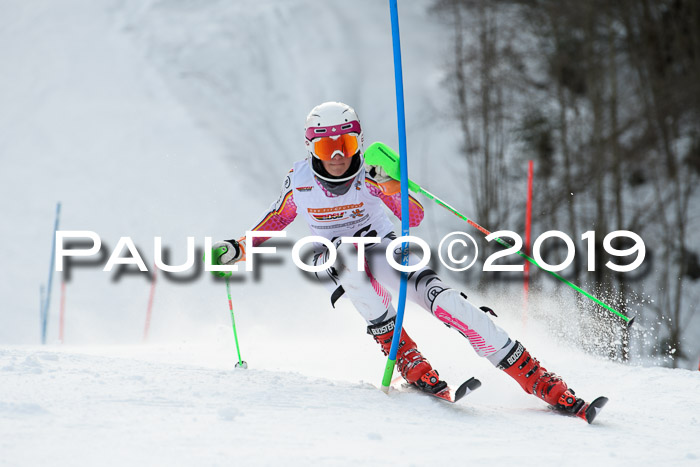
[186, 405]
[175, 119]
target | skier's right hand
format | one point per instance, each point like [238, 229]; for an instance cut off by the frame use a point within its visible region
[227, 253]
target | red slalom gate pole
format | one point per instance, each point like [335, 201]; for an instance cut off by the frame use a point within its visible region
[528, 224]
[149, 310]
[62, 315]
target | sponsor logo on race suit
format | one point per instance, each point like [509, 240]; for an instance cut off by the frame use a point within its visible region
[337, 212]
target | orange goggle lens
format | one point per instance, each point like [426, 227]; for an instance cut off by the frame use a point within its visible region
[324, 148]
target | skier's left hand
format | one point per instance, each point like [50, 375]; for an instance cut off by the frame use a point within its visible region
[388, 185]
[378, 173]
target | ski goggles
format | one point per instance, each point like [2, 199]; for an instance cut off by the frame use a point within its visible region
[325, 142]
[327, 147]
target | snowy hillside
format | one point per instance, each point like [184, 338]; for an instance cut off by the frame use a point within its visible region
[186, 406]
[159, 118]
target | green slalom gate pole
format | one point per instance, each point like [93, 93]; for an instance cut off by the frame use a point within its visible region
[383, 155]
[241, 363]
[401, 119]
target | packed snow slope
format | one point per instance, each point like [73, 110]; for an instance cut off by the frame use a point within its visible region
[188, 406]
[178, 118]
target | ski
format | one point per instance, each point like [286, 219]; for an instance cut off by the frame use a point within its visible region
[587, 412]
[449, 394]
[590, 411]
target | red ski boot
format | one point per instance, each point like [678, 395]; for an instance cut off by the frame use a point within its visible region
[411, 364]
[535, 379]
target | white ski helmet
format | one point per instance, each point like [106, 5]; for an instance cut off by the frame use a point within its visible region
[334, 128]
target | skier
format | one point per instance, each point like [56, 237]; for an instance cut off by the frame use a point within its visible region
[338, 196]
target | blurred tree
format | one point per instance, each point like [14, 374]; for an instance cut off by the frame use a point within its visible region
[605, 96]
[482, 68]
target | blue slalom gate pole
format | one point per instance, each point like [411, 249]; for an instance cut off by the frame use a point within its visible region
[401, 117]
[47, 297]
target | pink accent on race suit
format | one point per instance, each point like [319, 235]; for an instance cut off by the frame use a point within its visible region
[381, 291]
[393, 202]
[277, 219]
[333, 130]
[475, 339]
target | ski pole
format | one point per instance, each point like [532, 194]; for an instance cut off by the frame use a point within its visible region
[401, 118]
[383, 155]
[241, 363]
